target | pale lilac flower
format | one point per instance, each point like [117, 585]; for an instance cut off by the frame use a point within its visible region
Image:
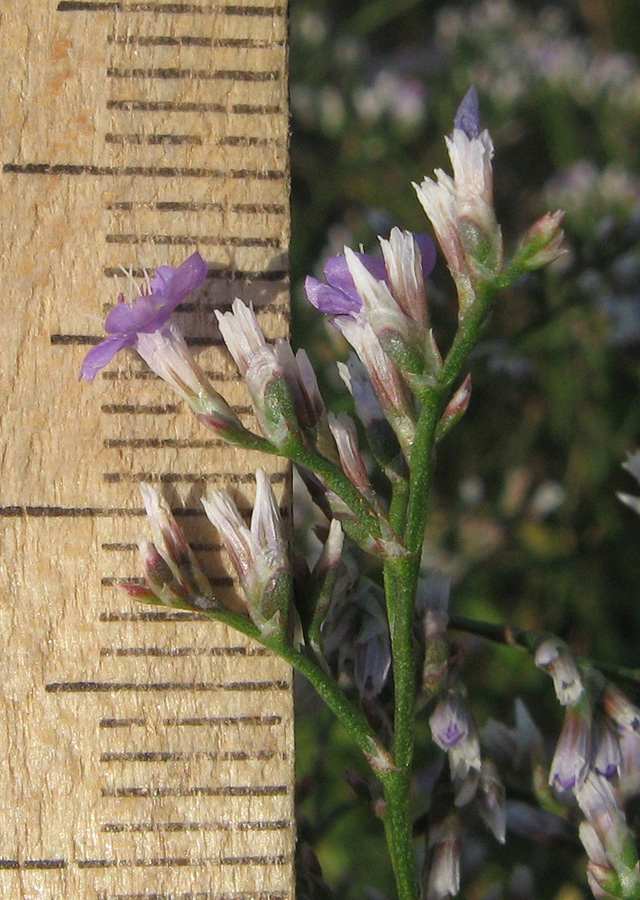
[270, 396]
[339, 296]
[572, 758]
[145, 325]
[326, 580]
[241, 333]
[614, 850]
[171, 569]
[147, 313]
[166, 353]
[629, 781]
[442, 869]
[607, 755]
[554, 657]
[454, 730]
[267, 372]
[599, 805]
[380, 436]
[162, 584]
[356, 632]
[259, 553]
[599, 871]
[303, 384]
[620, 709]
[402, 338]
[172, 544]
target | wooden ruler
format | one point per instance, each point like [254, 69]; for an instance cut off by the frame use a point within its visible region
[146, 755]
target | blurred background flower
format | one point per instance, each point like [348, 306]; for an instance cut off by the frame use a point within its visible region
[525, 519]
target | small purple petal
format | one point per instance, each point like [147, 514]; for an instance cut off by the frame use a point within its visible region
[329, 300]
[452, 734]
[185, 279]
[102, 354]
[337, 272]
[467, 117]
[339, 297]
[427, 251]
[146, 313]
[161, 278]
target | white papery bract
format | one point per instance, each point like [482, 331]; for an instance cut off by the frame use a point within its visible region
[259, 554]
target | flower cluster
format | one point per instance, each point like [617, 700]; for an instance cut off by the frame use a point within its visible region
[356, 614]
[589, 763]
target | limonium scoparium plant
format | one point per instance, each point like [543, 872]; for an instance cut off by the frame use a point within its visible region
[374, 639]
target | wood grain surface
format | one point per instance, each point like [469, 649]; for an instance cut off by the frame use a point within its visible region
[146, 755]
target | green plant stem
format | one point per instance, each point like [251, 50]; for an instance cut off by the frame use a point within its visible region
[397, 515]
[401, 577]
[336, 481]
[349, 715]
[331, 474]
[396, 783]
[529, 640]
[398, 832]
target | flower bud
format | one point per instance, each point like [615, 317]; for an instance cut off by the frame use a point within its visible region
[271, 398]
[541, 243]
[343, 430]
[455, 409]
[441, 874]
[491, 799]
[259, 554]
[380, 436]
[554, 657]
[572, 758]
[461, 208]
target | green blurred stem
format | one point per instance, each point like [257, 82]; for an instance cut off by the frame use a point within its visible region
[401, 577]
[529, 640]
[398, 831]
[349, 715]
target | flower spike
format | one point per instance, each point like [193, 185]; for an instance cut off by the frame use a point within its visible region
[460, 208]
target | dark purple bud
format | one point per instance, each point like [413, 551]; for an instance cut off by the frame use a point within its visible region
[467, 117]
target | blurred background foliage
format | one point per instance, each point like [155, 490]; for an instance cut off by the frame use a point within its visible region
[525, 516]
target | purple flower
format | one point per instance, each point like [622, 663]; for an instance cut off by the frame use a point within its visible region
[572, 759]
[147, 313]
[339, 297]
